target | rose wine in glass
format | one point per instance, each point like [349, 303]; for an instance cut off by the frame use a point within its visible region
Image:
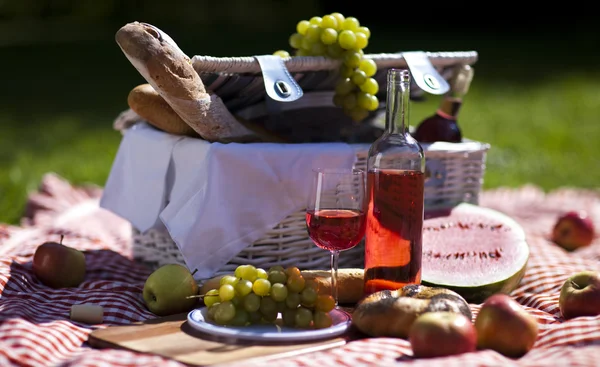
[395, 194]
[335, 217]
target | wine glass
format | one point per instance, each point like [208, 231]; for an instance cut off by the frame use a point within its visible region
[335, 213]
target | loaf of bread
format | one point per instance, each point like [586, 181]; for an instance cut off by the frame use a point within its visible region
[169, 71]
[150, 106]
[350, 283]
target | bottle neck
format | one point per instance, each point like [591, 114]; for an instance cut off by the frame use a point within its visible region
[398, 93]
[450, 107]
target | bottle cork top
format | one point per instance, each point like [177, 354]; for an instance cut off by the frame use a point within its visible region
[461, 80]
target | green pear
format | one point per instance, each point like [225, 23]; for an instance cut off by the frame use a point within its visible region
[59, 266]
[170, 289]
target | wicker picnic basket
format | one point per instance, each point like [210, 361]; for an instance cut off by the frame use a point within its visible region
[454, 170]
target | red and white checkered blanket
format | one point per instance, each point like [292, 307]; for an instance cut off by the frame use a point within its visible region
[35, 329]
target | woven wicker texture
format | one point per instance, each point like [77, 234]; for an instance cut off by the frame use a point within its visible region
[454, 176]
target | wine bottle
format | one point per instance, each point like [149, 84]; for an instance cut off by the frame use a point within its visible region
[443, 125]
[395, 189]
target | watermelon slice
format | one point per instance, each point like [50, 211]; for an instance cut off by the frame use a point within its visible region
[474, 251]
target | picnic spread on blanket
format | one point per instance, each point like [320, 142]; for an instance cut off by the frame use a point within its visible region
[281, 210]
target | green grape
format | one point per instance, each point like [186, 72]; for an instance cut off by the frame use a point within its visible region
[244, 287]
[322, 320]
[351, 24]
[335, 51]
[267, 306]
[329, 36]
[296, 40]
[338, 100]
[276, 268]
[212, 309]
[316, 21]
[302, 26]
[368, 66]
[226, 292]
[340, 19]
[358, 77]
[295, 283]
[211, 297]
[281, 53]
[361, 40]
[281, 306]
[292, 270]
[292, 300]
[249, 273]
[279, 292]
[364, 30]
[363, 100]
[254, 317]
[358, 114]
[236, 300]
[241, 318]
[251, 302]
[270, 317]
[308, 296]
[289, 317]
[347, 39]
[261, 287]
[345, 71]
[352, 59]
[328, 21]
[344, 87]
[304, 317]
[238, 271]
[302, 52]
[318, 49]
[324, 303]
[374, 103]
[225, 311]
[277, 276]
[229, 279]
[307, 44]
[313, 33]
[349, 101]
[370, 86]
[261, 273]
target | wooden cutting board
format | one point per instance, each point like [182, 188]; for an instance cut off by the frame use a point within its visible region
[174, 338]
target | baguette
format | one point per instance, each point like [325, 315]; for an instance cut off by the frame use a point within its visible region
[149, 105]
[350, 283]
[169, 71]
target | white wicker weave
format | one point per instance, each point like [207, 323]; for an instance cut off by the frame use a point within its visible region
[460, 175]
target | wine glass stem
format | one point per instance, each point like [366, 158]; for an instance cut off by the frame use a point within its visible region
[334, 275]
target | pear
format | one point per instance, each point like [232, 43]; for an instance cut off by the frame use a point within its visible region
[59, 266]
[170, 289]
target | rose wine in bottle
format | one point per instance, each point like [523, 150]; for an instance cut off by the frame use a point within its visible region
[395, 189]
[443, 125]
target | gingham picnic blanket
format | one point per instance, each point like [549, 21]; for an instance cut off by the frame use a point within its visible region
[35, 329]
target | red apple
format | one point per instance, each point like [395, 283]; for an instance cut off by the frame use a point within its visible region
[59, 266]
[580, 295]
[503, 325]
[439, 334]
[573, 230]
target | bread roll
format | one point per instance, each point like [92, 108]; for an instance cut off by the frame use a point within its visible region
[169, 71]
[149, 105]
[350, 283]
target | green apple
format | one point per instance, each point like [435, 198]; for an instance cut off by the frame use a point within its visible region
[170, 289]
[59, 266]
[580, 295]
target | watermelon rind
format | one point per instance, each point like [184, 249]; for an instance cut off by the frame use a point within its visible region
[480, 289]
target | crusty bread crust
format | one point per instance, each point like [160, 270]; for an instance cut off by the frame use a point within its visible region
[169, 71]
[150, 106]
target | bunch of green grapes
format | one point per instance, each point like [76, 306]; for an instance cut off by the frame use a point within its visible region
[253, 295]
[338, 37]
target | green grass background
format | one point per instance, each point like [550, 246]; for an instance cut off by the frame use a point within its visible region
[535, 98]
